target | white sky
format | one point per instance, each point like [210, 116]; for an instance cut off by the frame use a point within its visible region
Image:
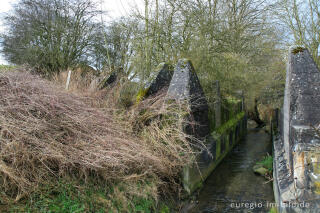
[115, 8]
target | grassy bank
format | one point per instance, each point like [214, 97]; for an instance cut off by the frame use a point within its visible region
[71, 152]
[68, 195]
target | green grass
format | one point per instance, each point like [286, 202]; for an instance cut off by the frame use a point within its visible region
[6, 67]
[273, 210]
[141, 94]
[267, 162]
[71, 196]
[63, 197]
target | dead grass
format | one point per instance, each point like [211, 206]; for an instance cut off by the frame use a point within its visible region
[81, 79]
[46, 132]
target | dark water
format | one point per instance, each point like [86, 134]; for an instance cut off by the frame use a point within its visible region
[233, 183]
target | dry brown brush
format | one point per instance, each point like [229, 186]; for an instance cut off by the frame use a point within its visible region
[46, 132]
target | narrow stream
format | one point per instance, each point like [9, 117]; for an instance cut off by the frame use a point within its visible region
[233, 184]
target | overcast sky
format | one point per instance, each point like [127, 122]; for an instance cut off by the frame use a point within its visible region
[115, 8]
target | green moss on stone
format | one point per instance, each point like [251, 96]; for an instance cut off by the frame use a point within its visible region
[298, 50]
[141, 94]
[191, 177]
[229, 124]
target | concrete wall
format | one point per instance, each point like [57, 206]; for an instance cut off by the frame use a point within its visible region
[227, 118]
[219, 143]
[296, 144]
[220, 129]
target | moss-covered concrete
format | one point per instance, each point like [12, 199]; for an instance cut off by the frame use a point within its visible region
[141, 94]
[219, 144]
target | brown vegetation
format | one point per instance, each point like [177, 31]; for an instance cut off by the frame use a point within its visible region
[48, 133]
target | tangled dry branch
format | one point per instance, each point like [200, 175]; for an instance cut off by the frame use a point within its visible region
[46, 133]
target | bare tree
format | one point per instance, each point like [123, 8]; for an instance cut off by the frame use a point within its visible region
[50, 34]
[302, 19]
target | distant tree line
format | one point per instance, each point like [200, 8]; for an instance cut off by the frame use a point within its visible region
[241, 43]
[51, 35]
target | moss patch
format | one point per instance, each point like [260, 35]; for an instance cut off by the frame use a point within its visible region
[297, 50]
[230, 124]
[141, 94]
[73, 196]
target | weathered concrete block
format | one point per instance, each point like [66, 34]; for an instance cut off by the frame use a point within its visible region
[281, 123]
[293, 175]
[217, 105]
[159, 80]
[185, 88]
[225, 114]
[195, 174]
[241, 104]
[162, 79]
[302, 95]
[218, 146]
[111, 79]
[231, 137]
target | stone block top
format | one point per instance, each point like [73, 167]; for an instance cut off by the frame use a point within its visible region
[185, 87]
[160, 79]
[304, 88]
